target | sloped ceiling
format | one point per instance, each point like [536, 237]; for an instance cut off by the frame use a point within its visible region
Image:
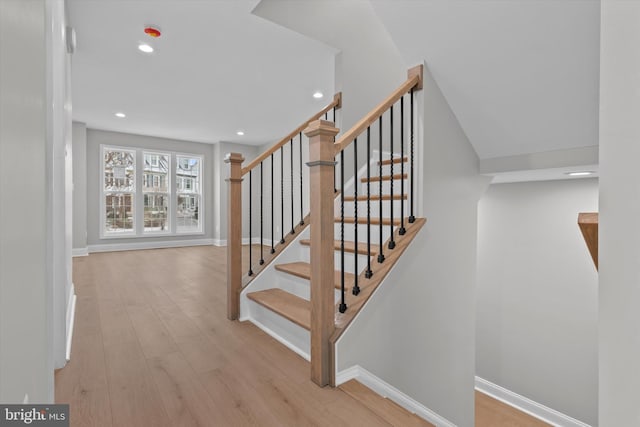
[522, 76]
[216, 69]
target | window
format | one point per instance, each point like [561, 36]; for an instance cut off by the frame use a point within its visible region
[156, 193]
[152, 208]
[189, 196]
[119, 191]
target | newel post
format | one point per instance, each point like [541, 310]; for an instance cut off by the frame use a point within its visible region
[234, 234]
[321, 135]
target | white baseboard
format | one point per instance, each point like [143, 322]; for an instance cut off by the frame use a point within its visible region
[387, 390]
[80, 251]
[527, 405]
[71, 316]
[245, 241]
[268, 331]
[134, 246]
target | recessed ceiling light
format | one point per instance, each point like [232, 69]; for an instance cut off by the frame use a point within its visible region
[240, 133]
[121, 115]
[580, 173]
[318, 95]
[145, 48]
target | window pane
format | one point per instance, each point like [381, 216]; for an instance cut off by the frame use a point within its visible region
[119, 170]
[188, 213]
[189, 171]
[119, 213]
[156, 212]
[156, 171]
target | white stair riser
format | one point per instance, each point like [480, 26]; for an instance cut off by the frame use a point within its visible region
[349, 209]
[295, 285]
[386, 188]
[349, 260]
[349, 233]
[295, 337]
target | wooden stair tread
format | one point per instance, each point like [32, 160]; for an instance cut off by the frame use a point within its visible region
[349, 246]
[303, 270]
[384, 178]
[374, 221]
[289, 306]
[376, 197]
[386, 409]
[394, 160]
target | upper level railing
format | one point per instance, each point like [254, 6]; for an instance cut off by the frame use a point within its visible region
[279, 169]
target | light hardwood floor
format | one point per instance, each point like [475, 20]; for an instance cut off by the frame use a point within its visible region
[152, 347]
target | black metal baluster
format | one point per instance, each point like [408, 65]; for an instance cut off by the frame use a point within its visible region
[282, 194]
[301, 198]
[402, 230]
[273, 249]
[368, 273]
[291, 184]
[412, 218]
[343, 305]
[392, 242]
[261, 217]
[381, 254]
[250, 224]
[335, 189]
[356, 288]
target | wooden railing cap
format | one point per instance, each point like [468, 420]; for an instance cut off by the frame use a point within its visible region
[233, 158]
[321, 127]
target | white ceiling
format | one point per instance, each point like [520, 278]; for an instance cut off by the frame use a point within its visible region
[522, 76]
[216, 69]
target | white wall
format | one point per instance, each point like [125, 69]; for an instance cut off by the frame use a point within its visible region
[34, 245]
[60, 181]
[97, 137]
[79, 187]
[368, 65]
[417, 332]
[619, 252]
[537, 294]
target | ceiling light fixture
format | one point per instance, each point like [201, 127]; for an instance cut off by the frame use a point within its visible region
[121, 115]
[240, 133]
[145, 48]
[318, 95]
[580, 173]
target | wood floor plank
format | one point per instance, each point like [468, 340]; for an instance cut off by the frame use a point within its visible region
[212, 372]
[491, 412]
[152, 335]
[384, 408]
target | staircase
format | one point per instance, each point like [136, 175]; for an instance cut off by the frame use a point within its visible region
[289, 297]
[310, 281]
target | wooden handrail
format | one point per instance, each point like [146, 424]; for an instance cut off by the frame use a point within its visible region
[414, 81]
[337, 103]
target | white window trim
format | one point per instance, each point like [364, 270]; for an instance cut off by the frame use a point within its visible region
[138, 199]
